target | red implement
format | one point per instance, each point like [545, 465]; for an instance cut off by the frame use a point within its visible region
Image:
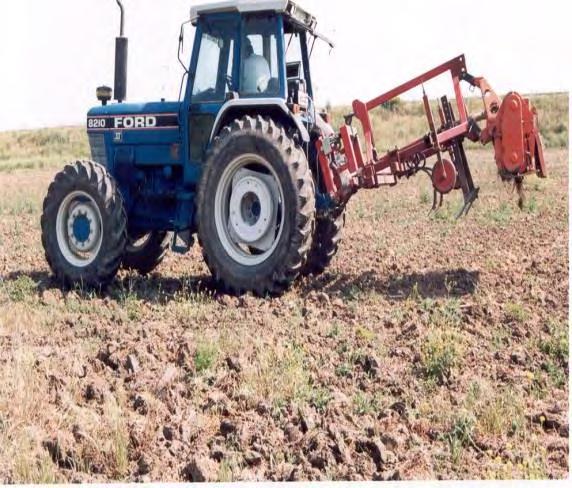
[510, 125]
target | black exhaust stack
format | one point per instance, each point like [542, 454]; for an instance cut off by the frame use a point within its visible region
[121, 48]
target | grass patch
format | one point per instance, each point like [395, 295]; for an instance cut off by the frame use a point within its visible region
[352, 293]
[365, 404]
[530, 205]
[36, 149]
[447, 213]
[343, 370]
[425, 197]
[533, 467]
[334, 332]
[279, 374]
[447, 313]
[460, 435]
[500, 215]
[516, 312]
[556, 345]
[557, 373]
[501, 414]
[440, 354]
[119, 449]
[29, 469]
[21, 289]
[365, 334]
[205, 356]
[497, 412]
[19, 202]
[320, 399]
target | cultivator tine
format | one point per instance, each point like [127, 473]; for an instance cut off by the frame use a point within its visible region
[469, 201]
[437, 201]
[470, 192]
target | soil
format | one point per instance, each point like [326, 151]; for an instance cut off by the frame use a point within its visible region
[430, 349]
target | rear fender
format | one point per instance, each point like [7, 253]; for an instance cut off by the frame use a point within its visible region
[275, 108]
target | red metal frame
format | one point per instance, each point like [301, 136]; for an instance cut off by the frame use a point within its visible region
[511, 125]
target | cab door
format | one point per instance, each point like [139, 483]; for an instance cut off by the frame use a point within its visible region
[213, 79]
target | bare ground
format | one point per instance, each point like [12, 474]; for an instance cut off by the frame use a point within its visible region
[430, 349]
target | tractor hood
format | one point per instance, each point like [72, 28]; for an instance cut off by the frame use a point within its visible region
[134, 116]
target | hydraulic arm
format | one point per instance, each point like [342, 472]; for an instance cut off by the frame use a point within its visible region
[347, 164]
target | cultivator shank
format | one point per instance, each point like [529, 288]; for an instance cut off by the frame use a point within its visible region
[347, 165]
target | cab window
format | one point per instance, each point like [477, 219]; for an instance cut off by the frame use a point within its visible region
[259, 73]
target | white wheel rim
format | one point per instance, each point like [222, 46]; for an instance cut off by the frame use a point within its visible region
[79, 229]
[249, 210]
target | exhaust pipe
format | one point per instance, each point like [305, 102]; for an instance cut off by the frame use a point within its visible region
[121, 49]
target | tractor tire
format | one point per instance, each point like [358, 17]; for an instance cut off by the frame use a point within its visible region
[84, 226]
[327, 239]
[145, 256]
[256, 185]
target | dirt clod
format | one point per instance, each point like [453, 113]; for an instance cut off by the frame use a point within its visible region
[96, 389]
[143, 466]
[200, 469]
[228, 427]
[234, 364]
[169, 376]
[307, 419]
[132, 364]
[253, 458]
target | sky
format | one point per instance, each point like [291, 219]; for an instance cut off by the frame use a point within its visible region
[54, 53]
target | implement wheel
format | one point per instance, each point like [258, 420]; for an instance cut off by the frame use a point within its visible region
[84, 226]
[256, 208]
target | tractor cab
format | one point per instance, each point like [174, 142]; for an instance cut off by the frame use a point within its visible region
[252, 50]
[249, 57]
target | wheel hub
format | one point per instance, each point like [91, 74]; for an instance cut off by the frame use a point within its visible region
[83, 233]
[251, 209]
[79, 229]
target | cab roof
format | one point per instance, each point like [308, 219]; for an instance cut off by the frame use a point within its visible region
[287, 7]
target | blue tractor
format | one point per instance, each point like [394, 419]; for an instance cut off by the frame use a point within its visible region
[233, 162]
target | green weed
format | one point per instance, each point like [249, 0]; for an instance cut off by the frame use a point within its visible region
[516, 312]
[440, 354]
[205, 357]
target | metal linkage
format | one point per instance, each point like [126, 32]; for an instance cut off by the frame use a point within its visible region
[511, 125]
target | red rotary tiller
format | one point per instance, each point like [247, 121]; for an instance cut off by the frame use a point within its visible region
[510, 124]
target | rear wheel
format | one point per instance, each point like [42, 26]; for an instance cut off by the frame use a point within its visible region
[84, 225]
[144, 253]
[256, 208]
[327, 239]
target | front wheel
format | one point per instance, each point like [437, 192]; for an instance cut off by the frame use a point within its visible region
[84, 226]
[256, 208]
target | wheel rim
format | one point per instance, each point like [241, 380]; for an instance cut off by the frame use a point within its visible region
[79, 229]
[249, 213]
